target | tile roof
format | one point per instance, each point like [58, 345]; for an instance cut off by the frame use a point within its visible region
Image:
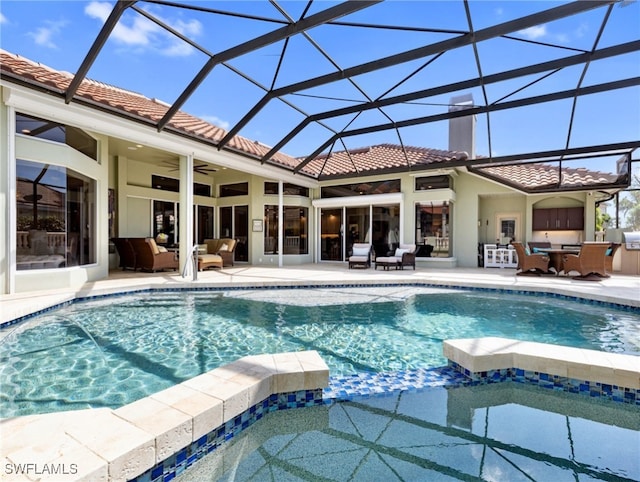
[379, 158]
[364, 161]
[132, 104]
[540, 176]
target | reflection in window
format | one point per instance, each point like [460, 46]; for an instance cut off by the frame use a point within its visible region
[432, 182]
[55, 207]
[433, 221]
[53, 131]
[238, 189]
[288, 189]
[369, 187]
[295, 230]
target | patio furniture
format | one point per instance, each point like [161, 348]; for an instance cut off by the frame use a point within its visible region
[223, 247]
[360, 255]
[589, 263]
[534, 246]
[150, 257]
[125, 252]
[499, 256]
[404, 255]
[529, 263]
[609, 255]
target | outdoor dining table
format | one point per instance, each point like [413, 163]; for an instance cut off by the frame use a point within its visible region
[555, 256]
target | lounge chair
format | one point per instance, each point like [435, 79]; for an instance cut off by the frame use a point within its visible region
[589, 263]
[529, 263]
[404, 255]
[609, 254]
[360, 255]
[150, 257]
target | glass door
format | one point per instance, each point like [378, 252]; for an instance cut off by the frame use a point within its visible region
[331, 234]
[357, 227]
[203, 225]
[164, 222]
[234, 223]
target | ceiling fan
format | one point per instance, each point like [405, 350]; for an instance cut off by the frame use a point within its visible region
[199, 168]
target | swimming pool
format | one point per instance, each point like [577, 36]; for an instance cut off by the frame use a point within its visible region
[494, 433]
[110, 352]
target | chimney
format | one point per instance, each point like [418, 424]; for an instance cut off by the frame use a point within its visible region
[462, 130]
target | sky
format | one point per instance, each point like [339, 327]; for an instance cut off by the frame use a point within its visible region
[144, 58]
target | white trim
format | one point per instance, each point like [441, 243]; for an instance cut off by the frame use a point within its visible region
[11, 206]
[366, 200]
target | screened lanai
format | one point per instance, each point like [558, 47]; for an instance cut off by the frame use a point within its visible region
[552, 82]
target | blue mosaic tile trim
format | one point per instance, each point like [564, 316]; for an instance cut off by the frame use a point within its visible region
[368, 384]
[588, 388]
[414, 284]
[173, 466]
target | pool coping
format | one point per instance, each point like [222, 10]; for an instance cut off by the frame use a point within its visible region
[44, 304]
[162, 434]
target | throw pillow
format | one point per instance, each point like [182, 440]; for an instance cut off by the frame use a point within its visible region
[224, 247]
[154, 246]
[526, 251]
[162, 249]
[400, 252]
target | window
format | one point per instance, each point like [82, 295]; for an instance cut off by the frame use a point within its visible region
[432, 182]
[295, 230]
[433, 221]
[238, 189]
[53, 131]
[55, 213]
[287, 189]
[173, 185]
[372, 187]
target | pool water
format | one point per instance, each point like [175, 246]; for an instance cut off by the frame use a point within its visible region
[111, 352]
[503, 432]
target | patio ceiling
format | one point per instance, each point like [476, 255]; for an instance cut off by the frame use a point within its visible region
[313, 78]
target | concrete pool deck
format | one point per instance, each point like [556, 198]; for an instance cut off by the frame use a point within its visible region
[619, 289]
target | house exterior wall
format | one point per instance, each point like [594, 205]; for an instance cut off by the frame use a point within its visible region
[475, 201]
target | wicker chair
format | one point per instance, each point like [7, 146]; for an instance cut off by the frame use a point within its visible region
[534, 245]
[589, 263]
[530, 263]
[608, 259]
[125, 252]
[151, 258]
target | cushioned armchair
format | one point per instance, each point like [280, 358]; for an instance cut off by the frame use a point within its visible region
[530, 263]
[150, 257]
[223, 247]
[360, 255]
[590, 262]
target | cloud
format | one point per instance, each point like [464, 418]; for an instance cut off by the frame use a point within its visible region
[216, 121]
[139, 32]
[3, 19]
[534, 33]
[43, 36]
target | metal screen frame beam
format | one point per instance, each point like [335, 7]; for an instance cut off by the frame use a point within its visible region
[256, 43]
[488, 33]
